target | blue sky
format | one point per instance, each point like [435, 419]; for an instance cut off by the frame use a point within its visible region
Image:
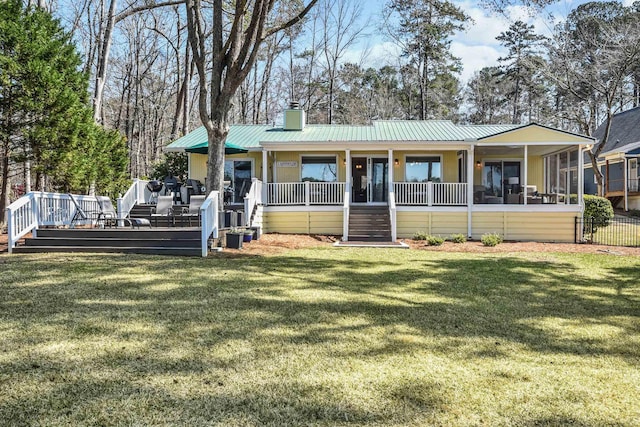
[477, 46]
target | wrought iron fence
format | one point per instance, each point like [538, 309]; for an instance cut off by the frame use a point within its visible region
[620, 231]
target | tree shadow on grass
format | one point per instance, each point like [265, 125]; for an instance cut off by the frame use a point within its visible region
[227, 314]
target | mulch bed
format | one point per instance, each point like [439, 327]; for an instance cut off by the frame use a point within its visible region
[270, 244]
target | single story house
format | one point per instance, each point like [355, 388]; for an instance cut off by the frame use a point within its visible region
[431, 176]
[618, 161]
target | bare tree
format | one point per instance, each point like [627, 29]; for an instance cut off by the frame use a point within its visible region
[230, 48]
[593, 56]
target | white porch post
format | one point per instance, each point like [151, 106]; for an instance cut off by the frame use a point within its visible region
[580, 176]
[265, 170]
[525, 174]
[470, 183]
[348, 177]
[625, 168]
[390, 171]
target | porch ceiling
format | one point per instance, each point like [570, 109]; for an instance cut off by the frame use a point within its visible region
[515, 150]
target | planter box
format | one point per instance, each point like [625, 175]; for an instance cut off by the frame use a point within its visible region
[234, 241]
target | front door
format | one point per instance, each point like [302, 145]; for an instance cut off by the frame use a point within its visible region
[360, 179]
[370, 177]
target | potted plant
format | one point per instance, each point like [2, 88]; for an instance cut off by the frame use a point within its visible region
[234, 239]
[248, 235]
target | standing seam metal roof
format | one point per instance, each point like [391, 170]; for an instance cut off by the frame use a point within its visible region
[251, 136]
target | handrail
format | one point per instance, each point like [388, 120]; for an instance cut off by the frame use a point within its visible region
[345, 214]
[21, 218]
[134, 195]
[252, 199]
[209, 215]
[392, 214]
[36, 209]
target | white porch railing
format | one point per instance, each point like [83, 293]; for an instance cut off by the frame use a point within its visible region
[37, 209]
[449, 193]
[305, 193]
[430, 193]
[134, 195]
[252, 199]
[209, 215]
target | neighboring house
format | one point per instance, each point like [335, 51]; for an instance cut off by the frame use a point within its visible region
[618, 161]
[430, 176]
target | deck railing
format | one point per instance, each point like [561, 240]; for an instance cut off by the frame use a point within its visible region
[37, 209]
[305, 193]
[252, 199]
[430, 193]
[209, 216]
[134, 195]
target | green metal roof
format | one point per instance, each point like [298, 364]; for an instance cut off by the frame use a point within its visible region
[251, 136]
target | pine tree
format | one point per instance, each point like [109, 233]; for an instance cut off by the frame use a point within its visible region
[45, 115]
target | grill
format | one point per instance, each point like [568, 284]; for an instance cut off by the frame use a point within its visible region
[154, 186]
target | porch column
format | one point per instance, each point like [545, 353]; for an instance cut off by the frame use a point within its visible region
[625, 169]
[525, 174]
[265, 170]
[390, 170]
[580, 176]
[470, 184]
[348, 177]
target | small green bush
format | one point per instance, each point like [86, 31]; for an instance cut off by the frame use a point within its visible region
[420, 235]
[491, 239]
[458, 238]
[599, 209]
[435, 240]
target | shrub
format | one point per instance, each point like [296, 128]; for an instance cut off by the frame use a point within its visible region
[599, 209]
[420, 235]
[435, 240]
[458, 238]
[634, 212]
[491, 239]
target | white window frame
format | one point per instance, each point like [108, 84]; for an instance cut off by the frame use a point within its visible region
[320, 155]
[440, 156]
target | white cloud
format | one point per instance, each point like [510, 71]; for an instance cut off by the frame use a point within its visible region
[474, 58]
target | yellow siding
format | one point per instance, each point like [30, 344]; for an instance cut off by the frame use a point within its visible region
[436, 223]
[199, 164]
[450, 166]
[535, 226]
[287, 174]
[536, 134]
[303, 222]
[535, 172]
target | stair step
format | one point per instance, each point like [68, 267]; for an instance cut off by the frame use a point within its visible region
[111, 242]
[121, 233]
[102, 249]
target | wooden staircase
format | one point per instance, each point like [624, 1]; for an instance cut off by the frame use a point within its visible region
[369, 224]
[157, 241]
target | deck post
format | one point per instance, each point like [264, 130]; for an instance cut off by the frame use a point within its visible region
[390, 170]
[625, 169]
[349, 178]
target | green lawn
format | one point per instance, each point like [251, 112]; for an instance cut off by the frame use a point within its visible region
[321, 337]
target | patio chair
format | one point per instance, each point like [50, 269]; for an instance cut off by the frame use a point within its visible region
[193, 211]
[163, 209]
[109, 215]
[80, 214]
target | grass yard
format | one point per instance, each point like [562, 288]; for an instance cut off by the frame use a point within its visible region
[321, 337]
